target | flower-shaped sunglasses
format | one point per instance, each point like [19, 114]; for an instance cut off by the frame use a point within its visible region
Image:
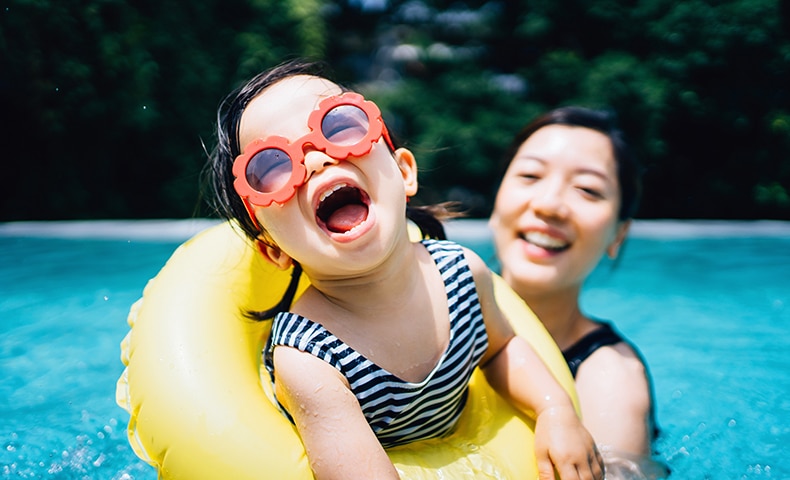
[271, 169]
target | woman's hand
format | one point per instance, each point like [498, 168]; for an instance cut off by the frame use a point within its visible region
[562, 443]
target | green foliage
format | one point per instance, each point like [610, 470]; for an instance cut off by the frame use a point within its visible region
[107, 103]
[700, 87]
[458, 136]
[108, 106]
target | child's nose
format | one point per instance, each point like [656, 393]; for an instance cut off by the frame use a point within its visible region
[316, 160]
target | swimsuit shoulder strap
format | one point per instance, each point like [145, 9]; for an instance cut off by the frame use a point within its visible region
[602, 336]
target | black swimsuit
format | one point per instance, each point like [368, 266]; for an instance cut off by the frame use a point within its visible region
[604, 336]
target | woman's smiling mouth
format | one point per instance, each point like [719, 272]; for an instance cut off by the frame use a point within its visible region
[545, 241]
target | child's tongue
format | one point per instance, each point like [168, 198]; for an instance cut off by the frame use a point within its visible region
[346, 217]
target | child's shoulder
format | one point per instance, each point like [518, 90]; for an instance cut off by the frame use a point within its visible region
[444, 248]
[449, 247]
[438, 245]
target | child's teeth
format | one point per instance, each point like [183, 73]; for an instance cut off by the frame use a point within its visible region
[328, 193]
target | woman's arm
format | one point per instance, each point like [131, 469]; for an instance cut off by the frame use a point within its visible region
[335, 433]
[615, 399]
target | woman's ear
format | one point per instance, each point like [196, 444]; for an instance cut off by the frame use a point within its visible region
[408, 169]
[614, 248]
[275, 256]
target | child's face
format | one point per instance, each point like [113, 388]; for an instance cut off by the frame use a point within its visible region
[555, 214]
[346, 210]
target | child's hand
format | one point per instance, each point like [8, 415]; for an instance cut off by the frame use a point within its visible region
[562, 442]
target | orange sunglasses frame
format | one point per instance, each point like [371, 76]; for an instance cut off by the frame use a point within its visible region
[295, 150]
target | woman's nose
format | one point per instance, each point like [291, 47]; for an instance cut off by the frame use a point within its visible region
[548, 201]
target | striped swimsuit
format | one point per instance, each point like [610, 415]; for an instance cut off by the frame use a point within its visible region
[401, 412]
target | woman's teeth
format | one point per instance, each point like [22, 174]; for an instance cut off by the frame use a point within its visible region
[545, 241]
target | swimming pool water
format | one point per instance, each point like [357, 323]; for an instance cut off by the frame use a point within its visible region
[710, 314]
[62, 315]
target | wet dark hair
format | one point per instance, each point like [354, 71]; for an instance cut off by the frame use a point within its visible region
[629, 171]
[218, 173]
[219, 170]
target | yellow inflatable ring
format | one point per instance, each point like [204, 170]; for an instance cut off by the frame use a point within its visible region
[199, 410]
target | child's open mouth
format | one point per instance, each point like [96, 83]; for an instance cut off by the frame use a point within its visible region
[343, 208]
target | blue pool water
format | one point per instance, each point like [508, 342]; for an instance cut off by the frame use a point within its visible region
[709, 306]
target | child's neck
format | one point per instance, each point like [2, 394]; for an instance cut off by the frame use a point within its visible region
[396, 316]
[387, 286]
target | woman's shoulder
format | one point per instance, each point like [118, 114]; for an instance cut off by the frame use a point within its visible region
[609, 353]
[617, 374]
[619, 359]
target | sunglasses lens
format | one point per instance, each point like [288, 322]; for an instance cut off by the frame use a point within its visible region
[345, 125]
[269, 170]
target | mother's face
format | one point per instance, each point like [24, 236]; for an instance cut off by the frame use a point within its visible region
[556, 212]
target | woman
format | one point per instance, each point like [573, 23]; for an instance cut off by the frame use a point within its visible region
[566, 199]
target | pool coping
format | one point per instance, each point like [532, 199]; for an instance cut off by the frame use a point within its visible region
[182, 229]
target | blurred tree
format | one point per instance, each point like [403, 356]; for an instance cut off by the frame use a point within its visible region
[106, 102]
[700, 87]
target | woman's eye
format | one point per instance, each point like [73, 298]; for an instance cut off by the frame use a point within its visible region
[529, 176]
[592, 192]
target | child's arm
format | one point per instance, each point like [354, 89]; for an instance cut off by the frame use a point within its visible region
[561, 441]
[335, 433]
[513, 368]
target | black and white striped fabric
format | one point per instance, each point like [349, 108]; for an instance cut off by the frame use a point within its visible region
[401, 412]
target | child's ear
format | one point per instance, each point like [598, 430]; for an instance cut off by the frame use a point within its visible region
[408, 169]
[275, 256]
